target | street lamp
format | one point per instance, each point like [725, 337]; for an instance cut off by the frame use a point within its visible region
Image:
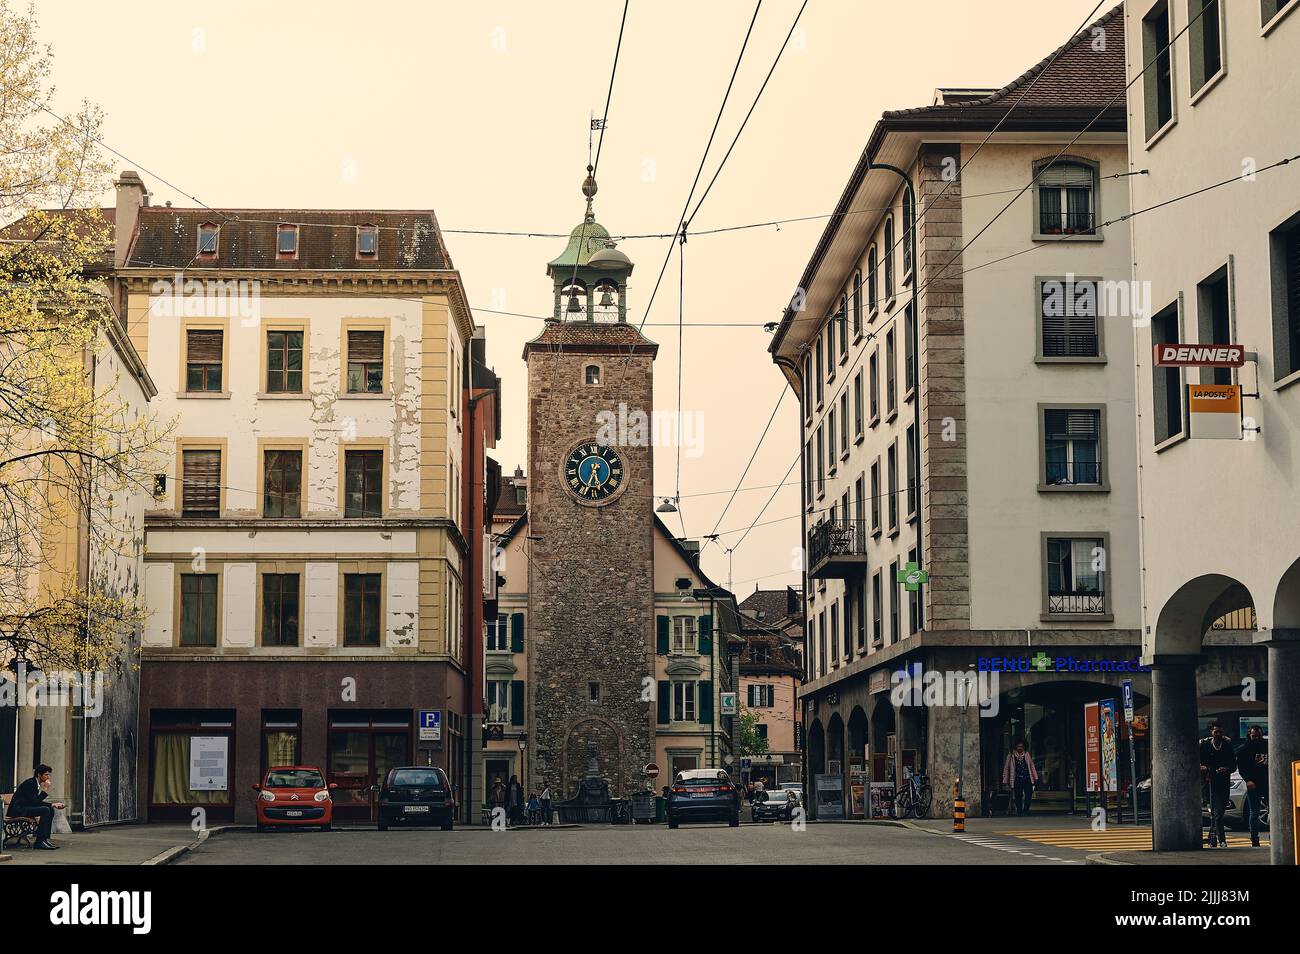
[523, 759]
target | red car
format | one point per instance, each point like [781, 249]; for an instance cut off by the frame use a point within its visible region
[294, 796]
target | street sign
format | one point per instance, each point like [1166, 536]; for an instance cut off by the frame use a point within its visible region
[1128, 700]
[1214, 411]
[651, 771]
[1199, 356]
[430, 725]
[729, 707]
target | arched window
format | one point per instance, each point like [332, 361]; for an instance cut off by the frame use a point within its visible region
[889, 259]
[1067, 197]
[873, 283]
[592, 374]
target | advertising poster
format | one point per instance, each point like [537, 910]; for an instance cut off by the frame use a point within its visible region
[830, 796]
[1109, 745]
[858, 793]
[882, 799]
[1092, 746]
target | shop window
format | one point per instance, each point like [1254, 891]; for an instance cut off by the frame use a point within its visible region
[281, 737]
[179, 739]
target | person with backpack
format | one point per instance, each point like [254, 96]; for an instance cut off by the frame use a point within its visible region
[1252, 763]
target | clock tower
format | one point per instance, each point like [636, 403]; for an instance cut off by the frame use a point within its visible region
[591, 619]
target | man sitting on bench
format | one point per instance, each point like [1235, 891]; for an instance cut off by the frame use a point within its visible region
[29, 802]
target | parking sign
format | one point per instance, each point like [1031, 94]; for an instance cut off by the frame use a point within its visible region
[1128, 700]
[430, 725]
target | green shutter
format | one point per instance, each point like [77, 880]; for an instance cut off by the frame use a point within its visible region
[517, 702]
[705, 638]
[663, 624]
[516, 632]
[705, 704]
[665, 698]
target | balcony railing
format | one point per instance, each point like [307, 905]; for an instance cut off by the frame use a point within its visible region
[1078, 604]
[837, 549]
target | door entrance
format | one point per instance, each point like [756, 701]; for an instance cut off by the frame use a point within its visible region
[362, 748]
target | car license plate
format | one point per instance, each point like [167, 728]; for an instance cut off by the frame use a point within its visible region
[293, 813]
[701, 794]
[415, 809]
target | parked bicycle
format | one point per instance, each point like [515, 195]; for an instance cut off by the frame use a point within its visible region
[913, 799]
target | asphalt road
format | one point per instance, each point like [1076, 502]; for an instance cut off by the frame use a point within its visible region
[764, 844]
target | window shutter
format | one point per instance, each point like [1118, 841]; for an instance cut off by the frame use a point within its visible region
[1072, 424]
[665, 699]
[704, 705]
[1067, 175]
[365, 345]
[201, 482]
[516, 632]
[203, 345]
[705, 638]
[663, 624]
[517, 702]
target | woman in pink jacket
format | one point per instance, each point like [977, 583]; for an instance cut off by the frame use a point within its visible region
[1020, 776]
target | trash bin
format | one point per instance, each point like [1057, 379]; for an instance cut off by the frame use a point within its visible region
[644, 807]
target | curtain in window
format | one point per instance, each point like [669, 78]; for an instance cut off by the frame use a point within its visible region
[1078, 210]
[171, 773]
[281, 748]
[1049, 210]
[1087, 577]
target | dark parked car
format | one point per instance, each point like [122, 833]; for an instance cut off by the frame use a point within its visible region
[703, 795]
[416, 795]
[773, 803]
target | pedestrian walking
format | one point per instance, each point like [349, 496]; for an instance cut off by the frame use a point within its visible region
[1217, 762]
[1252, 763]
[1020, 775]
[514, 800]
[534, 808]
[545, 801]
[497, 796]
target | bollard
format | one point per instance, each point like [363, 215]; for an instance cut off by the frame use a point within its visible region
[958, 812]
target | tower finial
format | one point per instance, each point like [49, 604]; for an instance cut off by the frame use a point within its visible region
[589, 190]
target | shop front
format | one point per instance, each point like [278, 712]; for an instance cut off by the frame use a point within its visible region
[214, 728]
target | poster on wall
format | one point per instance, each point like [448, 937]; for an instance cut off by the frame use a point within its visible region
[858, 793]
[1092, 746]
[209, 762]
[882, 799]
[1109, 732]
[830, 796]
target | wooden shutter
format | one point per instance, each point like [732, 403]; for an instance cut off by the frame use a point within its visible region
[664, 699]
[704, 704]
[663, 625]
[516, 632]
[705, 637]
[517, 702]
[201, 483]
[203, 345]
[365, 346]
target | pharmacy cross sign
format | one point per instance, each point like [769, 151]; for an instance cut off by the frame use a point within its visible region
[912, 576]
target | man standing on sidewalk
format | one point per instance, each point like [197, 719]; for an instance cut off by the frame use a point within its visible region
[1217, 762]
[1252, 763]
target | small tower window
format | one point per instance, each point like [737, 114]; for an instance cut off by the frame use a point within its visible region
[286, 240]
[367, 241]
[593, 692]
[208, 238]
[593, 374]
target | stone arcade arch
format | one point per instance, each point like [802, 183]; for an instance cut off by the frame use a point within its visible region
[1283, 643]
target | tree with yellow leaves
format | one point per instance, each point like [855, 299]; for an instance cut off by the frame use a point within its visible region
[77, 453]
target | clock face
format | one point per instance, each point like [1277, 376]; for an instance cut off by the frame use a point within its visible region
[593, 473]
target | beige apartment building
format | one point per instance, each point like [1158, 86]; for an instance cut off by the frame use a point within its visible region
[306, 547]
[967, 411]
[1219, 516]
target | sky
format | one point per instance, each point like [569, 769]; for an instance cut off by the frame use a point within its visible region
[481, 112]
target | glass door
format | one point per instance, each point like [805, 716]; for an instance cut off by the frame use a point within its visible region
[349, 767]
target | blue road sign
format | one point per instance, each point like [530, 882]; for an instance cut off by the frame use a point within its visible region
[1128, 700]
[430, 725]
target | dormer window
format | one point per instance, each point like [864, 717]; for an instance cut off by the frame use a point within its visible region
[208, 238]
[367, 241]
[286, 241]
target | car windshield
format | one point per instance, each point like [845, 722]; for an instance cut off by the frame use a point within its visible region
[415, 778]
[294, 778]
[702, 780]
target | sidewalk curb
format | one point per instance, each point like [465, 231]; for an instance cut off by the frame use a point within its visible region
[884, 822]
[1101, 859]
[177, 851]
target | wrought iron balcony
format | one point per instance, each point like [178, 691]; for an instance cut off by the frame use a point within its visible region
[1076, 604]
[837, 550]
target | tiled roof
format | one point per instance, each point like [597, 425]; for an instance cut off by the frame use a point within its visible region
[327, 239]
[591, 336]
[1087, 72]
[767, 606]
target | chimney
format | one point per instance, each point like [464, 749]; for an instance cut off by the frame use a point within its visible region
[131, 196]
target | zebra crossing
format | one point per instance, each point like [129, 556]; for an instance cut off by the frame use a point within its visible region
[1001, 844]
[1111, 838]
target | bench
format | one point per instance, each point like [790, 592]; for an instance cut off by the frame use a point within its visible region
[21, 829]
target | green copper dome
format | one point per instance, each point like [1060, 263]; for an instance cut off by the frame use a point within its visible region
[587, 238]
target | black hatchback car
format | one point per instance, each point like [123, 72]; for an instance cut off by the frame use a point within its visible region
[703, 795]
[416, 795]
